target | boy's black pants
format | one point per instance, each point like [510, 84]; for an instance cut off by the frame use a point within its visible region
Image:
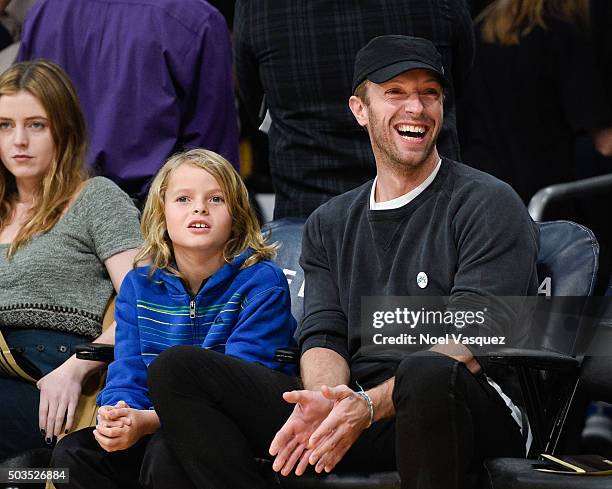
[149, 463]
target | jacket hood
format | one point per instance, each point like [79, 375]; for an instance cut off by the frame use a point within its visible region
[225, 274]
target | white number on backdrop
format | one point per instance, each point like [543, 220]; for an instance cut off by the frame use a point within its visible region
[290, 274]
[545, 287]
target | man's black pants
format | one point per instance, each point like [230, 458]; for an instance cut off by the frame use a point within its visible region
[219, 413]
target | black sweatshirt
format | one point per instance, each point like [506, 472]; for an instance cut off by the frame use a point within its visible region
[467, 231]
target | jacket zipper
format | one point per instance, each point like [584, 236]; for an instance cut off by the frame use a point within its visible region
[192, 309]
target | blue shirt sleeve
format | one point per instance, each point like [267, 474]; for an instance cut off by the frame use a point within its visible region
[127, 375]
[264, 325]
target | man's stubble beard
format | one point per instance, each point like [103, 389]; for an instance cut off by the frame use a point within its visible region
[384, 148]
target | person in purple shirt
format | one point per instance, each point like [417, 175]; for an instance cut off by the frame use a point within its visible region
[153, 77]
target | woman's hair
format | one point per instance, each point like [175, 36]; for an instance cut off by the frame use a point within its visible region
[51, 86]
[245, 231]
[506, 21]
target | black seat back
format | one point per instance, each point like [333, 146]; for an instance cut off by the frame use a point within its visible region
[567, 260]
[288, 233]
[567, 268]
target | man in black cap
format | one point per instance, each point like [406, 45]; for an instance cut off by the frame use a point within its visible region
[301, 55]
[426, 226]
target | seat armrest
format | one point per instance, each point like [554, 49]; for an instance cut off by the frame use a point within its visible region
[289, 354]
[536, 359]
[100, 352]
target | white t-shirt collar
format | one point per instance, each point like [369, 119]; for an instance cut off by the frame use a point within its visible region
[402, 200]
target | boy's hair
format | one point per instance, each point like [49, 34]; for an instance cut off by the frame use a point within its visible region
[50, 85]
[245, 231]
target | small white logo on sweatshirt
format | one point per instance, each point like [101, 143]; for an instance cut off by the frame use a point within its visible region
[422, 280]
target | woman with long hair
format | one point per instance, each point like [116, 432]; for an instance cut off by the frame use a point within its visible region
[535, 86]
[66, 242]
[506, 21]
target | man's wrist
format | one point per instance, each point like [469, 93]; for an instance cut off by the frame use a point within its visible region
[381, 397]
[370, 405]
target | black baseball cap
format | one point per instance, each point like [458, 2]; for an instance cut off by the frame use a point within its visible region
[385, 57]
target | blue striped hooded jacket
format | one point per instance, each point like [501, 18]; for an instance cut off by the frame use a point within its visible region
[243, 313]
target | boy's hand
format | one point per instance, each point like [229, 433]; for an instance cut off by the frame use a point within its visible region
[120, 427]
[105, 418]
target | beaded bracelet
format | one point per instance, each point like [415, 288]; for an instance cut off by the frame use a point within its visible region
[364, 395]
